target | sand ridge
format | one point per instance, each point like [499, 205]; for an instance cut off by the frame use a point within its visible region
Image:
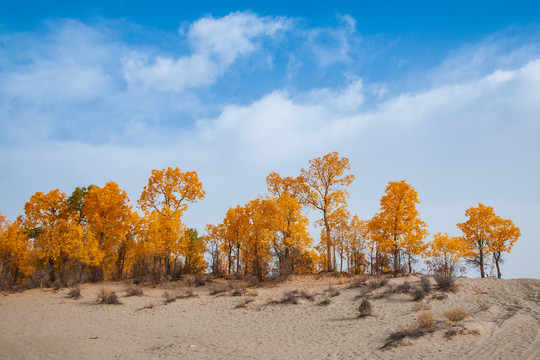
[43, 323]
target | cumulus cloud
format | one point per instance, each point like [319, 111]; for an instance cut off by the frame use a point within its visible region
[216, 45]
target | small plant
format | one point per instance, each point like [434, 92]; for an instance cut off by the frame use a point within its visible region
[237, 291]
[365, 308]
[421, 306]
[75, 293]
[134, 291]
[168, 298]
[356, 284]
[396, 337]
[243, 303]
[418, 294]
[456, 314]
[106, 296]
[482, 305]
[427, 321]
[189, 294]
[375, 284]
[425, 285]
[190, 280]
[147, 306]
[332, 292]
[218, 289]
[325, 302]
[403, 288]
[444, 282]
[199, 280]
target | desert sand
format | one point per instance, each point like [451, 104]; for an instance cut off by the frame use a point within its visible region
[504, 322]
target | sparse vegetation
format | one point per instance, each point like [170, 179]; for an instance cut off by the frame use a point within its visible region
[421, 306]
[325, 302]
[444, 282]
[168, 297]
[332, 292]
[375, 284]
[426, 321]
[425, 284]
[418, 294]
[482, 305]
[75, 293]
[365, 308]
[398, 336]
[134, 291]
[106, 296]
[456, 314]
[243, 303]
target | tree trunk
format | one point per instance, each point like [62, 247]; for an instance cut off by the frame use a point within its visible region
[481, 259]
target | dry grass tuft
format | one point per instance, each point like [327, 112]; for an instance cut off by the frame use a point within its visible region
[168, 297]
[375, 284]
[418, 294]
[426, 321]
[365, 308]
[425, 284]
[356, 284]
[147, 306]
[482, 305]
[331, 292]
[421, 306]
[75, 293]
[397, 337]
[456, 314]
[218, 289]
[325, 302]
[106, 296]
[444, 282]
[243, 303]
[134, 291]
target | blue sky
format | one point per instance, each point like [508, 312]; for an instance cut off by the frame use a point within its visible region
[441, 94]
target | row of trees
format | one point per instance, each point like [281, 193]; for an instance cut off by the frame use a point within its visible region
[95, 233]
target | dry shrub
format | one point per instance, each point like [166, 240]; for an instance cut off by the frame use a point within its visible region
[237, 291]
[377, 294]
[444, 282]
[403, 288]
[482, 305]
[325, 302]
[440, 296]
[456, 314]
[356, 284]
[332, 292]
[243, 303]
[168, 297]
[147, 306]
[75, 293]
[459, 331]
[200, 280]
[189, 294]
[425, 285]
[365, 308]
[134, 291]
[421, 306]
[106, 296]
[190, 280]
[218, 289]
[290, 298]
[427, 321]
[252, 293]
[396, 337]
[418, 294]
[375, 284]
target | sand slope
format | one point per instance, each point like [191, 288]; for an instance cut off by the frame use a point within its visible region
[42, 323]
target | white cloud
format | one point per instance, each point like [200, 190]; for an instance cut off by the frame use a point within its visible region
[216, 45]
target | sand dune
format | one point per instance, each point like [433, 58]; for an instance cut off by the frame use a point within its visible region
[504, 322]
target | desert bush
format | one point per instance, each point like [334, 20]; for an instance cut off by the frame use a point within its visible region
[243, 303]
[456, 314]
[188, 294]
[332, 292]
[237, 291]
[134, 291]
[418, 294]
[404, 288]
[377, 294]
[190, 280]
[106, 296]
[199, 280]
[425, 285]
[421, 306]
[147, 306]
[75, 293]
[168, 297]
[325, 302]
[440, 296]
[356, 284]
[375, 284]
[290, 298]
[218, 289]
[365, 308]
[396, 337]
[444, 282]
[427, 321]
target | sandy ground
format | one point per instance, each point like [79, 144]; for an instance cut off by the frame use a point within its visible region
[504, 322]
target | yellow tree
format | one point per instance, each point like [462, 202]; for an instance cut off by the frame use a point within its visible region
[291, 240]
[356, 244]
[504, 235]
[257, 254]
[398, 226]
[193, 251]
[326, 183]
[214, 240]
[484, 233]
[57, 238]
[108, 215]
[14, 251]
[235, 229]
[167, 193]
[446, 252]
